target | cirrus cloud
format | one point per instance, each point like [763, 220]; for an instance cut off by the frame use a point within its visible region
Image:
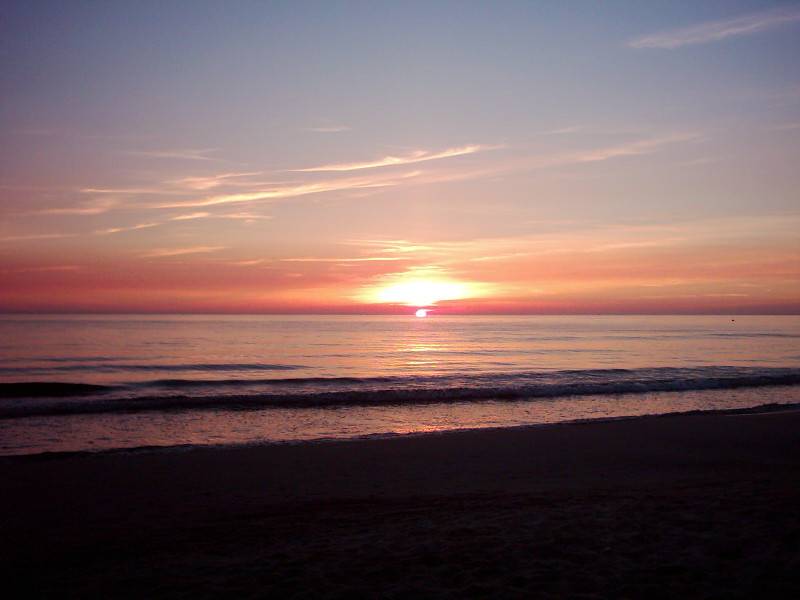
[392, 161]
[714, 31]
[167, 252]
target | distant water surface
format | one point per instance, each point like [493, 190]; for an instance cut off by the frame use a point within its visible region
[99, 382]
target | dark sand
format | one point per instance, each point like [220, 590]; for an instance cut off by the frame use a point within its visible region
[671, 507]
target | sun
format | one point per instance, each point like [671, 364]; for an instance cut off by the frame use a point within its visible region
[422, 292]
[421, 288]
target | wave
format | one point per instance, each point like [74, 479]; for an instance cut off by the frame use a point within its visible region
[47, 388]
[69, 359]
[767, 408]
[46, 399]
[101, 368]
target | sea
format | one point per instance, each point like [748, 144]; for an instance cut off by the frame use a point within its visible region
[89, 383]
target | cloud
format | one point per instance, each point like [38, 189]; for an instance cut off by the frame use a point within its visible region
[188, 185]
[357, 259]
[659, 243]
[272, 191]
[588, 240]
[91, 207]
[131, 228]
[389, 246]
[786, 127]
[196, 215]
[165, 252]
[507, 256]
[249, 263]
[553, 161]
[631, 149]
[186, 154]
[291, 191]
[47, 269]
[188, 217]
[51, 132]
[562, 130]
[36, 236]
[714, 31]
[328, 129]
[391, 161]
[39, 132]
[210, 181]
[127, 191]
[245, 216]
[236, 216]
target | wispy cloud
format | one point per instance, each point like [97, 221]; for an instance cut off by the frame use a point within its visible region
[131, 228]
[554, 161]
[39, 132]
[786, 127]
[254, 191]
[391, 161]
[507, 256]
[60, 132]
[186, 185]
[344, 259]
[389, 246]
[291, 191]
[183, 154]
[132, 191]
[562, 130]
[700, 161]
[245, 216]
[166, 252]
[92, 207]
[632, 148]
[714, 31]
[249, 263]
[328, 129]
[659, 243]
[190, 216]
[586, 239]
[45, 269]
[236, 216]
[211, 181]
[36, 236]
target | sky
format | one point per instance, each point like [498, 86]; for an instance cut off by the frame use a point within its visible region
[377, 157]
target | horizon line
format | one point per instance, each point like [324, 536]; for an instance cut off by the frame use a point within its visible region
[795, 313]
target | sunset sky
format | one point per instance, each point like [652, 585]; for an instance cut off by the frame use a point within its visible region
[473, 157]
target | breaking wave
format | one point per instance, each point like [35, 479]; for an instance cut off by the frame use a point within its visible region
[65, 398]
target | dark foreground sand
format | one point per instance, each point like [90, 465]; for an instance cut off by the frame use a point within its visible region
[671, 507]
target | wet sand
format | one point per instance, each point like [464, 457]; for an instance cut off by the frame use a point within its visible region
[701, 506]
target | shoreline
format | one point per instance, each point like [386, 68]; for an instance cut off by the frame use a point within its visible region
[768, 408]
[680, 505]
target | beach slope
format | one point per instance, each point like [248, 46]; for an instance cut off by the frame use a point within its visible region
[661, 507]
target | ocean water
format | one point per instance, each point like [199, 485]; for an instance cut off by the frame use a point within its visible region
[83, 383]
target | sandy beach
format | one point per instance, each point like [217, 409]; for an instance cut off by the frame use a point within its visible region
[680, 506]
[402, 300]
